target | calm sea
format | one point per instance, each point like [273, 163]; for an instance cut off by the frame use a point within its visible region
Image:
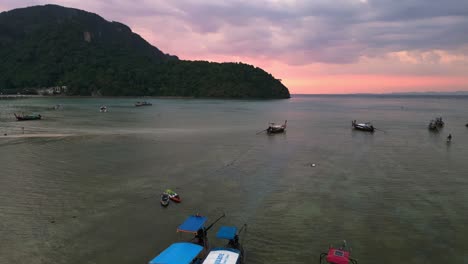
[81, 186]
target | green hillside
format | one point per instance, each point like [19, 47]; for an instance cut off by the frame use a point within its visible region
[47, 46]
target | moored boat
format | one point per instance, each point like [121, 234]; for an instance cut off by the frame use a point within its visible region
[57, 107]
[232, 252]
[173, 196]
[144, 103]
[432, 126]
[179, 253]
[103, 109]
[438, 122]
[368, 127]
[188, 252]
[340, 255]
[28, 117]
[164, 199]
[275, 129]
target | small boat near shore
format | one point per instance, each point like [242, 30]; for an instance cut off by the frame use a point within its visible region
[368, 127]
[28, 117]
[340, 255]
[173, 196]
[144, 103]
[164, 199]
[276, 129]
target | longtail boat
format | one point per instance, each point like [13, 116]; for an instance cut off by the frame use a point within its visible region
[340, 255]
[179, 253]
[368, 127]
[432, 126]
[28, 117]
[275, 129]
[188, 252]
[232, 252]
[137, 104]
[438, 122]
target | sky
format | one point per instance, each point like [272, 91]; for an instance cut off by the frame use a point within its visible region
[313, 46]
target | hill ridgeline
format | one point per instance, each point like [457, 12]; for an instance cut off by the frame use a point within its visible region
[54, 46]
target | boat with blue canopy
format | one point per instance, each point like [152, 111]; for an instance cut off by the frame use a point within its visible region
[193, 224]
[192, 252]
[232, 252]
[179, 253]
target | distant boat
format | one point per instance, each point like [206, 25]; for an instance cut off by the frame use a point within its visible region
[137, 104]
[28, 117]
[57, 107]
[276, 129]
[433, 126]
[173, 196]
[340, 255]
[164, 199]
[368, 127]
[438, 122]
[103, 109]
[232, 252]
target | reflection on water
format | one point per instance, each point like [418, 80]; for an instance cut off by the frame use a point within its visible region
[83, 187]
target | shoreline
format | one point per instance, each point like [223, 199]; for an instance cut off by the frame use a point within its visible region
[14, 96]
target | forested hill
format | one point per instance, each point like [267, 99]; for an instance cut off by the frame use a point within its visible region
[48, 46]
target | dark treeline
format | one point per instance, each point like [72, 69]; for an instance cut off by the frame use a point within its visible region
[47, 46]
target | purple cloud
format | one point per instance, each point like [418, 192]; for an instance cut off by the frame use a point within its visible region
[295, 32]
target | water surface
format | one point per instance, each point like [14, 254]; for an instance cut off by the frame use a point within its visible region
[83, 187]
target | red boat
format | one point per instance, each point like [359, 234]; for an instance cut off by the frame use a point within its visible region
[338, 255]
[173, 196]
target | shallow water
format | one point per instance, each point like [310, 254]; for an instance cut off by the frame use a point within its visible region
[83, 187]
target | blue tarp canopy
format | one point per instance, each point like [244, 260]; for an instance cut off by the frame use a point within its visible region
[192, 224]
[227, 232]
[178, 253]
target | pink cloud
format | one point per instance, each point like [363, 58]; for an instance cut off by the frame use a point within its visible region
[313, 46]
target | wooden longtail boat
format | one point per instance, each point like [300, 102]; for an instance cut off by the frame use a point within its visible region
[232, 252]
[188, 252]
[137, 104]
[368, 127]
[27, 117]
[275, 129]
[432, 126]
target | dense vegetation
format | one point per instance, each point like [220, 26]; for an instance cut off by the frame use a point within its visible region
[46, 46]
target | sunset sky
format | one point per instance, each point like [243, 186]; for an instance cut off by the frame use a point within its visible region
[314, 46]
